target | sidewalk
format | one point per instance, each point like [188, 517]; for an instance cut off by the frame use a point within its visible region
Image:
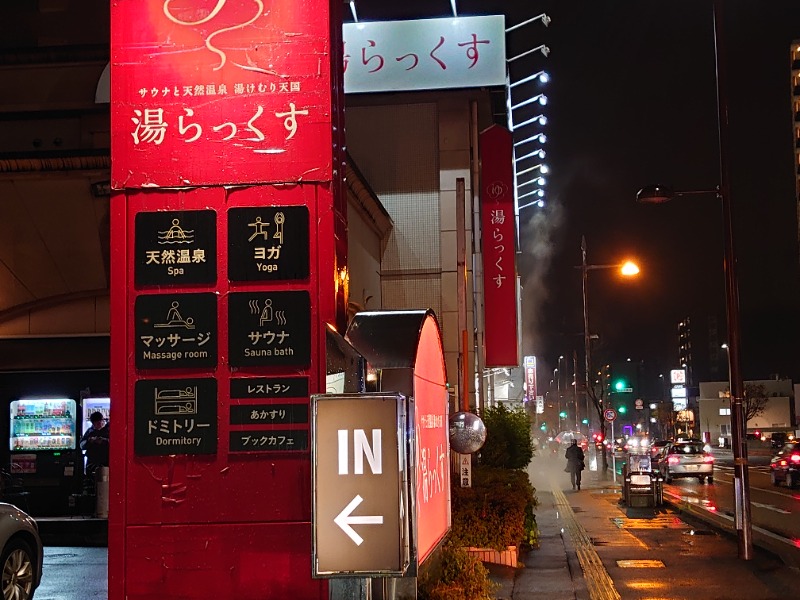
[593, 548]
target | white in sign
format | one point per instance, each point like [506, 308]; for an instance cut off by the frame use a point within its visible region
[361, 450]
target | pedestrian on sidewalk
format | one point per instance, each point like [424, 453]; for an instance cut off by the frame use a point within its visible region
[575, 464]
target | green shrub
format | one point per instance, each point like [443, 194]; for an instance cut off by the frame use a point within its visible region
[508, 438]
[496, 512]
[461, 577]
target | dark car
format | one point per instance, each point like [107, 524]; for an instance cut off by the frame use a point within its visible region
[657, 446]
[785, 465]
[658, 453]
[778, 439]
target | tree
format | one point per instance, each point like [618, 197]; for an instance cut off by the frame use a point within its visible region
[596, 391]
[508, 438]
[754, 402]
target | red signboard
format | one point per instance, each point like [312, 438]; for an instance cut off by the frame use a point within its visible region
[499, 255]
[432, 441]
[222, 286]
[216, 92]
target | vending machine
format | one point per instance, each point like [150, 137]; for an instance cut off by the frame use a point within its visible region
[43, 440]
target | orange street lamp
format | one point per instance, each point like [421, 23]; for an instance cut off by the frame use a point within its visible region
[627, 269]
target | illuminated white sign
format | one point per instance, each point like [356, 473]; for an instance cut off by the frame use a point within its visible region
[530, 378]
[424, 54]
[677, 376]
[678, 391]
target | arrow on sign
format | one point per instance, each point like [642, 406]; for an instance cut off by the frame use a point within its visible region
[344, 520]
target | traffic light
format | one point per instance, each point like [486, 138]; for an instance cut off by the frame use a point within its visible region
[620, 385]
[563, 414]
[543, 426]
[622, 410]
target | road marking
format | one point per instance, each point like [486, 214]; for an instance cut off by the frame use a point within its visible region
[640, 564]
[344, 520]
[599, 583]
[657, 522]
[770, 507]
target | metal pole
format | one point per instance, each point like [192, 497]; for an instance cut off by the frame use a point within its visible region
[575, 389]
[558, 390]
[613, 454]
[461, 260]
[586, 340]
[740, 472]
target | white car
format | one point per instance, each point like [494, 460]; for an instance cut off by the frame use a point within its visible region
[687, 459]
[21, 556]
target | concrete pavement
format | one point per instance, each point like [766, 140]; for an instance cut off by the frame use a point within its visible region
[592, 547]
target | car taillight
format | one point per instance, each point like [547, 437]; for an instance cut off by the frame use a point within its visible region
[795, 458]
[708, 459]
[673, 460]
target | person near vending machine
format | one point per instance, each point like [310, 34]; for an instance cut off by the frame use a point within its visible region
[95, 443]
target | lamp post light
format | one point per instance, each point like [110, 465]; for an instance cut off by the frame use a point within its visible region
[543, 168]
[535, 154]
[539, 153]
[658, 194]
[542, 17]
[541, 76]
[539, 137]
[540, 203]
[540, 98]
[540, 119]
[541, 48]
[628, 269]
[534, 181]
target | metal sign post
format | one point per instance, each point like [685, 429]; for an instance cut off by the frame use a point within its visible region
[613, 455]
[610, 415]
[360, 501]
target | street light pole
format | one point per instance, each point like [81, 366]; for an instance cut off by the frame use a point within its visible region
[627, 269]
[586, 338]
[655, 194]
[738, 439]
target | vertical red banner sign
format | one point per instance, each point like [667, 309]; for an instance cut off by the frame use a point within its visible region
[499, 247]
[227, 247]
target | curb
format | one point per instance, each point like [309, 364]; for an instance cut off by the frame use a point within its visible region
[783, 548]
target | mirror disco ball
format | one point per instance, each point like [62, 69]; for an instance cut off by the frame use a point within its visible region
[467, 432]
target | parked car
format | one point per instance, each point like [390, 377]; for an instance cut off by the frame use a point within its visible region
[21, 556]
[687, 459]
[785, 465]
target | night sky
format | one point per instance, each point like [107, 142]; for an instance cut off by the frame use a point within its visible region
[632, 101]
